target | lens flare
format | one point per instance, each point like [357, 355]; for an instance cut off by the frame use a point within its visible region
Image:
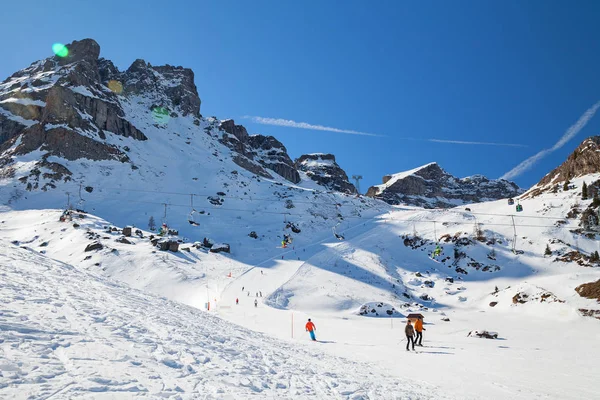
[115, 86]
[161, 115]
[60, 50]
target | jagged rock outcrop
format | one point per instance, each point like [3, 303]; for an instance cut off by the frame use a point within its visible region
[430, 186]
[584, 160]
[323, 169]
[258, 151]
[67, 106]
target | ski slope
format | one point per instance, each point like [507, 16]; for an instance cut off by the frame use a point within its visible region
[68, 334]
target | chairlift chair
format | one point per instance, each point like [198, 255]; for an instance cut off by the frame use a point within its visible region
[519, 208]
[511, 202]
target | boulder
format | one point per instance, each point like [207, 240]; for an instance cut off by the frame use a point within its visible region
[220, 247]
[94, 246]
[127, 231]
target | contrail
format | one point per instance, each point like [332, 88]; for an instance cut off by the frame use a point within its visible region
[568, 135]
[304, 125]
[475, 143]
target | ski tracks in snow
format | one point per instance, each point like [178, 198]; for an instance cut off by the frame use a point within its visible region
[67, 334]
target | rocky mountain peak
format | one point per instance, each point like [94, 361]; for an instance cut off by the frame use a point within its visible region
[430, 186]
[323, 169]
[85, 49]
[584, 160]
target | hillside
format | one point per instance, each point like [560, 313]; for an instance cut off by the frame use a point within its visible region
[67, 334]
[131, 145]
[110, 311]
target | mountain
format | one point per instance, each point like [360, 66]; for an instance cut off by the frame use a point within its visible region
[323, 169]
[429, 186]
[584, 160]
[76, 131]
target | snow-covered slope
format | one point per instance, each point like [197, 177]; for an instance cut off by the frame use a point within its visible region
[67, 334]
[429, 186]
[128, 146]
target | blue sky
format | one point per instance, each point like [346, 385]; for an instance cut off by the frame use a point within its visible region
[518, 72]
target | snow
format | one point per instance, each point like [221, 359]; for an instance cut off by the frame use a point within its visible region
[129, 320]
[401, 175]
[68, 334]
[24, 102]
[16, 118]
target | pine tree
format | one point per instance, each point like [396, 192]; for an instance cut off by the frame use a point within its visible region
[566, 185]
[596, 256]
[584, 192]
[151, 223]
[595, 201]
[547, 252]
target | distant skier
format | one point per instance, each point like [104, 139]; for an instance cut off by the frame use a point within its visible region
[248, 293]
[256, 294]
[311, 328]
[410, 333]
[255, 303]
[237, 301]
[437, 251]
[419, 328]
[261, 272]
[260, 294]
[242, 288]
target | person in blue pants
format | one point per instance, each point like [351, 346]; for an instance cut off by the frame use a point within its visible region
[311, 328]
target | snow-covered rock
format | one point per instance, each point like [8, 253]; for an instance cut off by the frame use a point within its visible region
[429, 186]
[323, 169]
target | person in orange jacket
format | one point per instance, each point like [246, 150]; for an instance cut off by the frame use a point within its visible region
[419, 329]
[311, 328]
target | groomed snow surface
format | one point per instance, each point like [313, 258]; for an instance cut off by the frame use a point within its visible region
[67, 334]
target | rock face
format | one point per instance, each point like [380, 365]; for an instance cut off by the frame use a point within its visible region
[323, 169]
[430, 186]
[82, 107]
[66, 106]
[583, 161]
[258, 152]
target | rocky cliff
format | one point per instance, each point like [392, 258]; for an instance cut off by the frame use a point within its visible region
[323, 169]
[584, 160]
[430, 186]
[79, 106]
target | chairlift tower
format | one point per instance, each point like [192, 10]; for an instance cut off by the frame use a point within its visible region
[357, 179]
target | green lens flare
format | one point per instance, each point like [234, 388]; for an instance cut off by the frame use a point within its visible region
[60, 50]
[161, 115]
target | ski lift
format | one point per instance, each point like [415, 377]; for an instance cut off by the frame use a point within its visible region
[511, 202]
[519, 208]
[191, 219]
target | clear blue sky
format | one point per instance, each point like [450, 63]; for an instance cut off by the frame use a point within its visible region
[489, 71]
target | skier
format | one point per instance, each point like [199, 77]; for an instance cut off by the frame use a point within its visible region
[410, 333]
[437, 251]
[255, 303]
[256, 294]
[237, 301]
[164, 230]
[242, 288]
[311, 328]
[260, 294]
[248, 293]
[283, 245]
[419, 328]
[261, 272]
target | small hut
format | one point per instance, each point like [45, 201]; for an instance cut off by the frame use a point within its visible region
[414, 317]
